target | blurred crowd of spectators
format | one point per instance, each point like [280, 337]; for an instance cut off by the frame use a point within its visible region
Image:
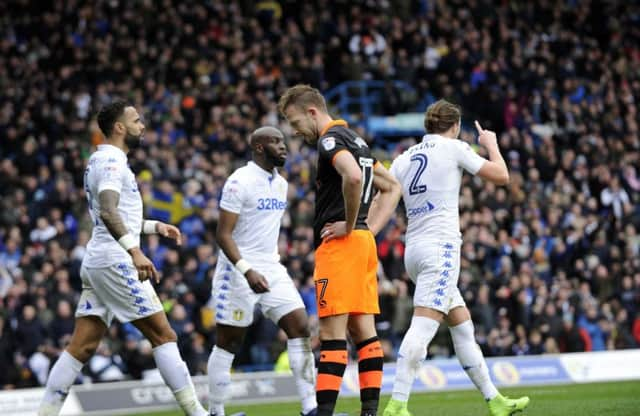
[550, 262]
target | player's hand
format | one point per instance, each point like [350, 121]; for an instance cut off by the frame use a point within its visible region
[169, 231]
[257, 282]
[486, 138]
[143, 265]
[333, 230]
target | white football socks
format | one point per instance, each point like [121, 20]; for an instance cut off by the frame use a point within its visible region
[413, 351]
[61, 378]
[176, 375]
[471, 359]
[302, 365]
[219, 370]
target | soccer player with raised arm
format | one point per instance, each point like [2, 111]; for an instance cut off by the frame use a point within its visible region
[249, 272]
[346, 258]
[430, 173]
[115, 273]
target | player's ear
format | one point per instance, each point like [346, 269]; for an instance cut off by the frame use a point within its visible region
[312, 111]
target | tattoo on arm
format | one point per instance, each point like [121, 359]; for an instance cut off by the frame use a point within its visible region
[109, 213]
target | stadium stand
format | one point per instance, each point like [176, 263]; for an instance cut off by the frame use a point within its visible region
[550, 263]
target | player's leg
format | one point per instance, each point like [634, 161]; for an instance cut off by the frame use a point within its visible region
[370, 361]
[364, 304]
[296, 325]
[228, 343]
[435, 273]
[173, 370]
[92, 320]
[333, 361]
[284, 306]
[338, 276]
[472, 361]
[131, 300]
[412, 352]
[235, 303]
[86, 336]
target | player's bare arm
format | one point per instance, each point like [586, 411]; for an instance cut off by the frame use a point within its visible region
[224, 231]
[385, 201]
[165, 230]
[495, 169]
[109, 213]
[113, 221]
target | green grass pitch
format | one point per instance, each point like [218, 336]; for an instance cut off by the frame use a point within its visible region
[602, 399]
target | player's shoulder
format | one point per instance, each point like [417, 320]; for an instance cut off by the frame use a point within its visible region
[108, 154]
[405, 156]
[460, 145]
[338, 130]
[240, 175]
[330, 140]
[337, 133]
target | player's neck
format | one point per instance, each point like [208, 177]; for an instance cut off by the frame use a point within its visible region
[452, 133]
[119, 143]
[264, 165]
[323, 121]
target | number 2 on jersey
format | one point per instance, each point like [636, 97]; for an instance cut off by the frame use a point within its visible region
[422, 161]
[366, 163]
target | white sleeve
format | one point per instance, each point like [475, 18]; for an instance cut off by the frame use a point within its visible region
[233, 195]
[110, 175]
[396, 167]
[467, 158]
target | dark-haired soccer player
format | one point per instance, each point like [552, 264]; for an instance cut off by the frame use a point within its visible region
[115, 273]
[346, 257]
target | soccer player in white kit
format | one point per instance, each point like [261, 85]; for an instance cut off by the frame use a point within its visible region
[249, 272]
[115, 273]
[430, 173]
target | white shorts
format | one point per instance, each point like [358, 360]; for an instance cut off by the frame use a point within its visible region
[435, 268]
[116, 291]
[235, 301]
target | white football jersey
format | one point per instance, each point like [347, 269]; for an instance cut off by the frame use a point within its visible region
[108, 170]
[430, 173]
[260, 199]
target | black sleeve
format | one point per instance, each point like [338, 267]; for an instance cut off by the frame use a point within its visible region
[330, 146]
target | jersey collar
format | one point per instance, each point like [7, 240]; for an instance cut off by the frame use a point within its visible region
[105, 146]
[265, 173]
[333, 123]
[428, 137]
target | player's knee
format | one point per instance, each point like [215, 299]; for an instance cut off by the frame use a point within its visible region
[170, 336]
[231, 345]
[83, 352]
[463, 333]
[301, 331]
[166, 336]
[414, 350]
[298, 329]
[295, 324]
[229, 340]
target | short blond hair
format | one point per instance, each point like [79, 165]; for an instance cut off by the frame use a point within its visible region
[302, 96]
[440, 116]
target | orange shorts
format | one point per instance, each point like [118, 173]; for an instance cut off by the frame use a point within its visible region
[346, 275]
